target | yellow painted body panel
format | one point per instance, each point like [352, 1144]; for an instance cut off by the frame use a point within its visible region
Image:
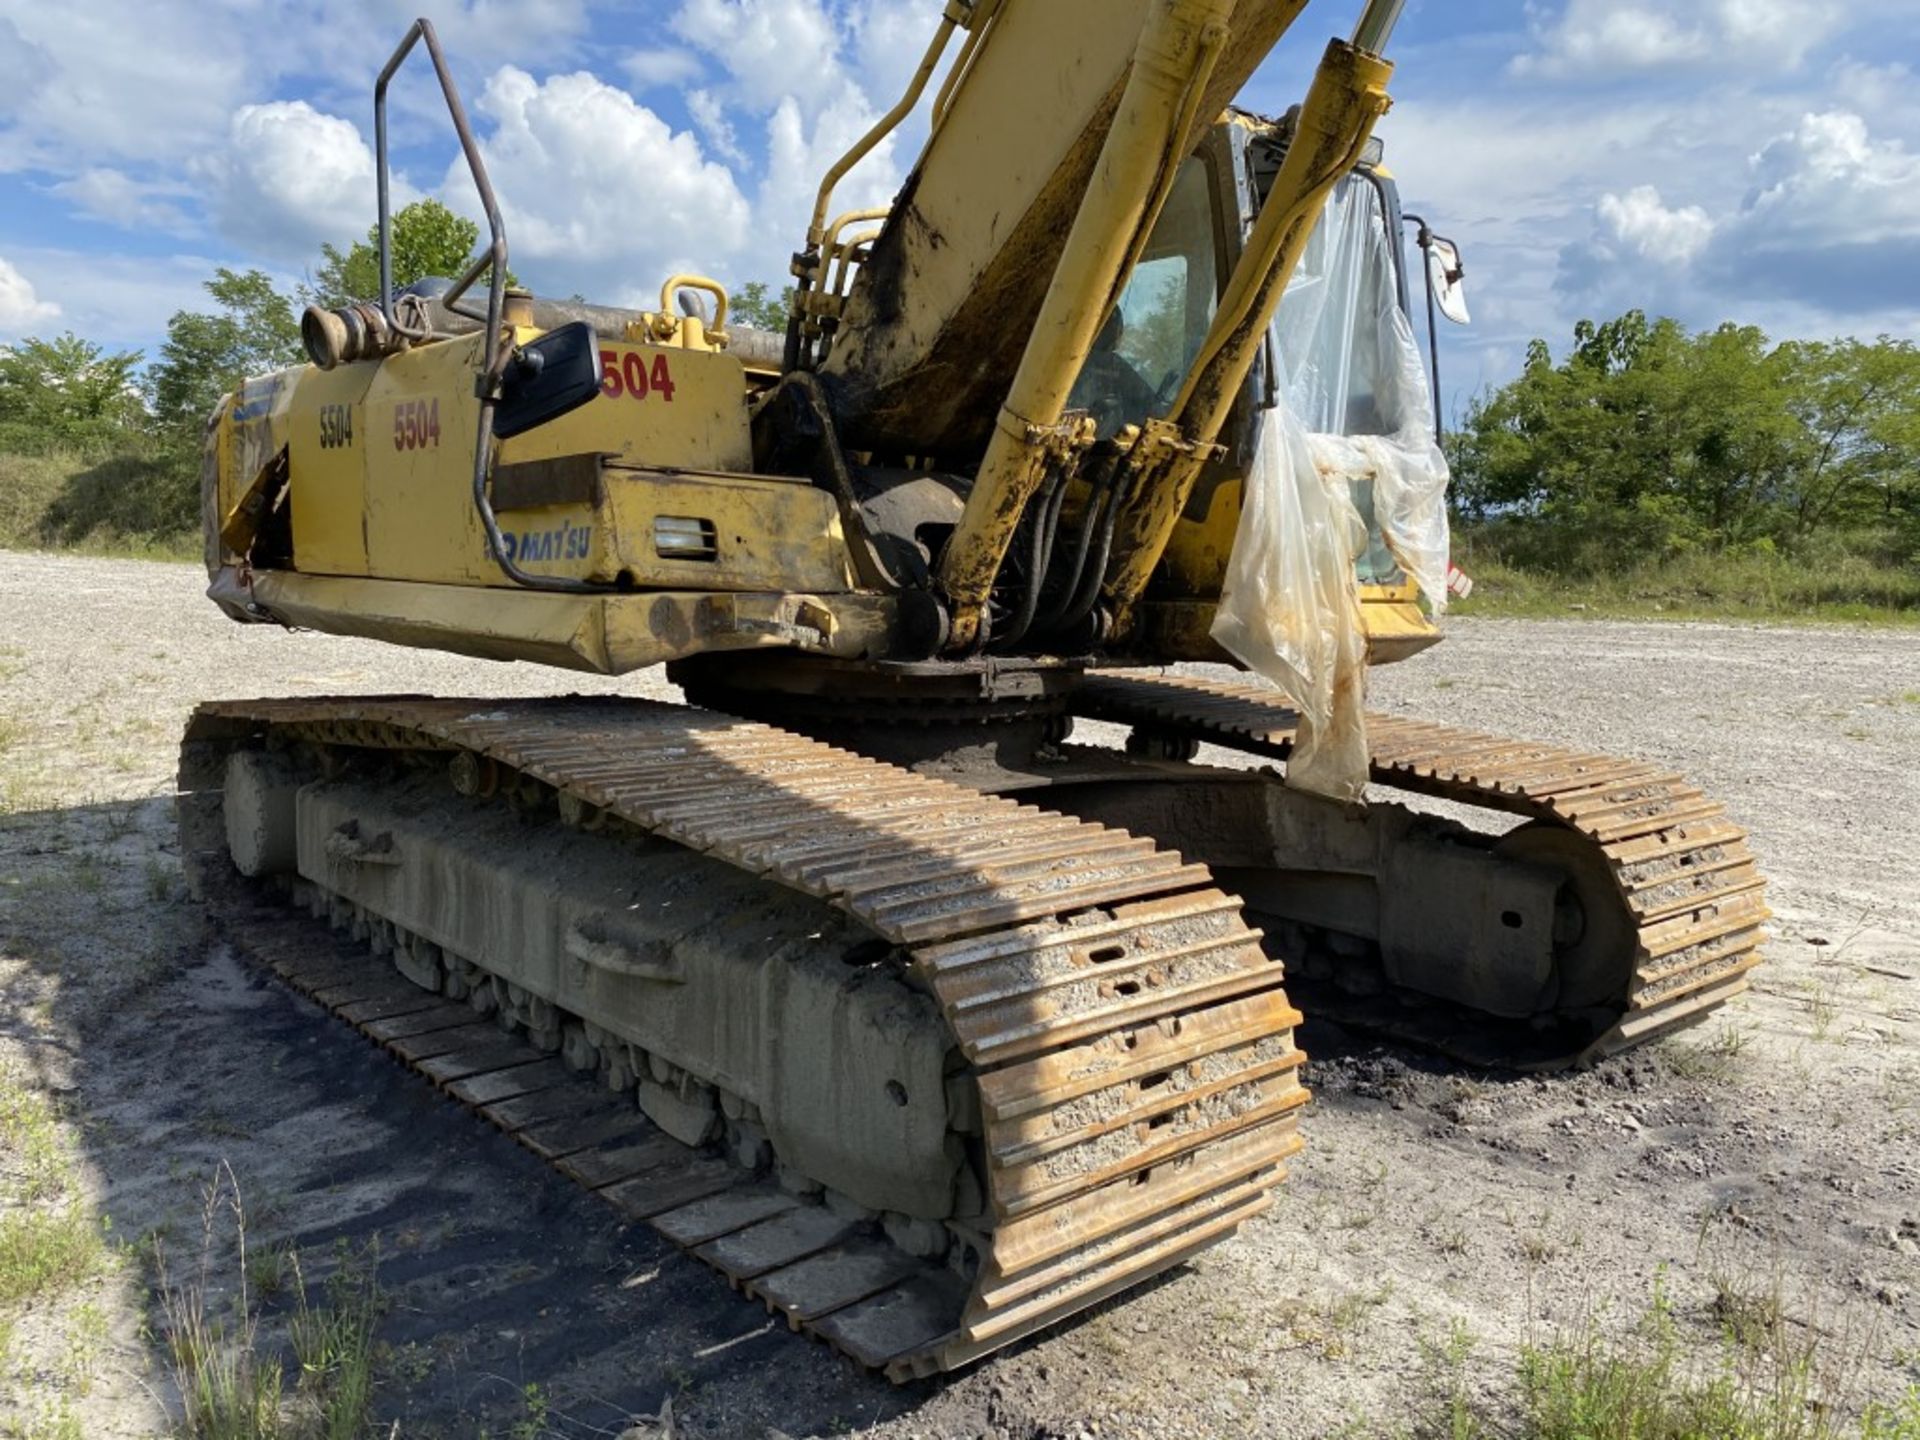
[768, 533]
[420, 521]
[703, 426]
[608, 633]
[381, 457]
[331, 515]
[1196, 559]
[251, 429]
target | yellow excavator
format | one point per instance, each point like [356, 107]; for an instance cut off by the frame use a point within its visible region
[854, 976]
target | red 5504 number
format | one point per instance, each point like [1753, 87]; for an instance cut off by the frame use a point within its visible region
[629, 374]
[416, 424]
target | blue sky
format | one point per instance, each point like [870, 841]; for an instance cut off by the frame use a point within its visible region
[1755, 160]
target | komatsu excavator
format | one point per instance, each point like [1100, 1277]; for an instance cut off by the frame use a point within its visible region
[853, 975]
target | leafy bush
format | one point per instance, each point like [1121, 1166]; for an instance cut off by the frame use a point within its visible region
[1859, 574]
[1647, 444]
[143, 499]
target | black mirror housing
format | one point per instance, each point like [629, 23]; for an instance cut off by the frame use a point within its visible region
[548, 377]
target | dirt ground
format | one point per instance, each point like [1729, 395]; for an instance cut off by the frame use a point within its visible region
[1439, 1220]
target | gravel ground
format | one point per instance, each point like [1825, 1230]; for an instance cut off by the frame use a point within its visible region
[1438, 1221]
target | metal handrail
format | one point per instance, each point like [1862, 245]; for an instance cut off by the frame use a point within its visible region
[497, 349]
[496, 252]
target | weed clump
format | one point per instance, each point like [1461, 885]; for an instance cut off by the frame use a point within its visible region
[232, 1382]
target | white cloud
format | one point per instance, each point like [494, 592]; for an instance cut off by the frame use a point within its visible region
[113, 81]
[772, 49]
[193, 117]
[1595, 36]
[21, 310]
[1830, 225]
[709, 112]
[1780, 30]
[798, 154]
[114, 196]
[662, 68]
[890, 37]
[121, 80]
[1833, 219]
[1592, 38]
[1830, 180]
[291, 177]
[22, 67]
[815, 81]
[599, 193]
[120, 301]
[1883, 91]
[1639, 224]
[602, 195]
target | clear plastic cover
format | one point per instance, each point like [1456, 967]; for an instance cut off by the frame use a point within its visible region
[1351, 371]
[1352, 433]
[1289, 609]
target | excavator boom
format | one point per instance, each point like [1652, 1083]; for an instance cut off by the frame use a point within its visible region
[906, 343]
[941, 311]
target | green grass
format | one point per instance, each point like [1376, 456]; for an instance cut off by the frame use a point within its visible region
[1700, 586]
[49, 1242]
[1759, 1374]
[48, 1249]
[1714, 1058]
[30, 1140]
[28, 484]
[138, 505]
[333, 1345]
[230, 1374]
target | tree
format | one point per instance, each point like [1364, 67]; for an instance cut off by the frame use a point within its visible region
[67, 391]
[754, 305]
[205, 356]
[428, 239]
[1155, 341]
[1647, 440]
[1859, 407]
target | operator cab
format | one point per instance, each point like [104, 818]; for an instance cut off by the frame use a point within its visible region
[1330, 352]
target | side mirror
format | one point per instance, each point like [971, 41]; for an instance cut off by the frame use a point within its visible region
[548, 377]
[1448, 278]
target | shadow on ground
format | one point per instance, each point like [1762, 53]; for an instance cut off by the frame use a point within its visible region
[512, 1295]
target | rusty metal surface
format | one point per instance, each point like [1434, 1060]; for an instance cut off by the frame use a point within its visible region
[1131, 1045]
[1682, 869]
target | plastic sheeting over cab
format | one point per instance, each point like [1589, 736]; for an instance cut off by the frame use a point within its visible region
[1346, 483]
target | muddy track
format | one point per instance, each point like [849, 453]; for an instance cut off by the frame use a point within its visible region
[1128, 1040]
[1692, 895]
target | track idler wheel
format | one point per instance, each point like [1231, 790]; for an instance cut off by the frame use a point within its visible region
[1594, 934]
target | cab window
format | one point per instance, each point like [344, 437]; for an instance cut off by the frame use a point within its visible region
[1144, 347]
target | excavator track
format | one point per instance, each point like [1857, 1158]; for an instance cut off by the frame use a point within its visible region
[1682, 869]
[1128, 1040]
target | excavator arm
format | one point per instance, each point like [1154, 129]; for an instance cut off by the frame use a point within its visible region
[1013, 237]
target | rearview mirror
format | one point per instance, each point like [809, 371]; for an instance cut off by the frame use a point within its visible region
[1448, 276]
[548, 377]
